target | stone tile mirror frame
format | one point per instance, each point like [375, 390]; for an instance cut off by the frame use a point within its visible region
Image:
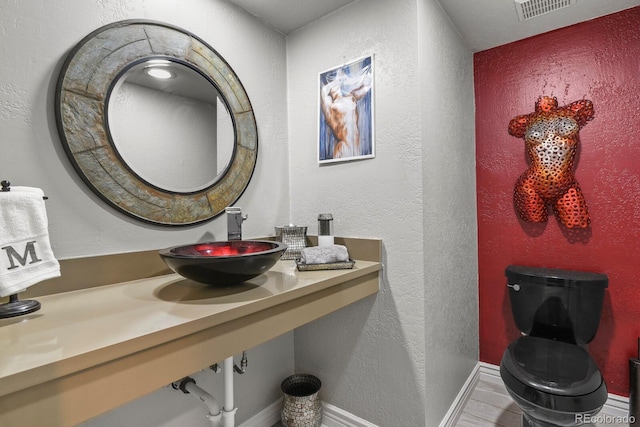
[86, 80]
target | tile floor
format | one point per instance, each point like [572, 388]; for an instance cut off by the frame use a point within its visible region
[278, 424]
[491, 406]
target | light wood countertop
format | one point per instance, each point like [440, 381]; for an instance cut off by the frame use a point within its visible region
[150, 332]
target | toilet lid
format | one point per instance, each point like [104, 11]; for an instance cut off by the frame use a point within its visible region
[553, 374]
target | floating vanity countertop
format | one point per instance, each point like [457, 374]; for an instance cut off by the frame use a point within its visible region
[90, 350]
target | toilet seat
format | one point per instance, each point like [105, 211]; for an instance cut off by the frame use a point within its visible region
[551, 374]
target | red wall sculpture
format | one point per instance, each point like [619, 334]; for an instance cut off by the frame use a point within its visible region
[551, 141]
[597, 60]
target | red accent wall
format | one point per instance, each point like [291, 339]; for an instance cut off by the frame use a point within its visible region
[597, 60]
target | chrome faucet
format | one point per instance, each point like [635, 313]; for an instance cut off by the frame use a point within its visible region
[234, 222]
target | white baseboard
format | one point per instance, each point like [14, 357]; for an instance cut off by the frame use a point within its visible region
[267, 417]
[461, 399]
[332, 416]
[615, 405]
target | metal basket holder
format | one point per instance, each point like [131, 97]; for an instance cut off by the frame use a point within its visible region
[295, 237]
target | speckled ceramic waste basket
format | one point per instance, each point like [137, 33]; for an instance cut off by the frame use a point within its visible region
[301, 406]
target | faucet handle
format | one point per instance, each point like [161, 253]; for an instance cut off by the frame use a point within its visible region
[234, 222]
[236, 212]
[233, 210]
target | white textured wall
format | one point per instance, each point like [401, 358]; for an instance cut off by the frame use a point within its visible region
[450, 227]
[397, 359]
[370, 356]
[35, 37]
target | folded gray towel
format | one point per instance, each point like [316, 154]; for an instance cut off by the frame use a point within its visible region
[324, 254]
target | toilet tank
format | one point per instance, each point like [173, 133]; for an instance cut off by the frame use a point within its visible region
[564, 305]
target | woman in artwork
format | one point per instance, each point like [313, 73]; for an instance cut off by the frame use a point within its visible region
[551, 140]
[339, 102]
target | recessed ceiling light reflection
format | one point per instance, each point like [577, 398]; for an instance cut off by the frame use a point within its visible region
[159, 72]
[159, 69]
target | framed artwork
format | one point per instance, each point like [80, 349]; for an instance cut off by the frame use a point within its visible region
[345, 122]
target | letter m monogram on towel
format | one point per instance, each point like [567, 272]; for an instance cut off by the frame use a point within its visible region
[14, 255]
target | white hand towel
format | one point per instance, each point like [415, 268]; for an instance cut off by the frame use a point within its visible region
[26, 257]
[324, 254]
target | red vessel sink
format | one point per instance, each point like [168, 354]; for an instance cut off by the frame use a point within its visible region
[223, 263]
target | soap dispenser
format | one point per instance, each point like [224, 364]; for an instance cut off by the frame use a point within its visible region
[325, 229]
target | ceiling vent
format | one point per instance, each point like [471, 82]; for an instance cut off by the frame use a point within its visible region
[528, 9]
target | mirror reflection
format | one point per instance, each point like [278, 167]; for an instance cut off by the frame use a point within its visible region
[170, 125]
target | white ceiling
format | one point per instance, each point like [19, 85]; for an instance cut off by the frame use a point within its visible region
[483, 23]
[289, 15]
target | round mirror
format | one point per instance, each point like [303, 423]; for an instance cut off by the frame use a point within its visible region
[156, 122]
[170, 125]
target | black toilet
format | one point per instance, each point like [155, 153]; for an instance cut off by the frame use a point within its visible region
[548, 371]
